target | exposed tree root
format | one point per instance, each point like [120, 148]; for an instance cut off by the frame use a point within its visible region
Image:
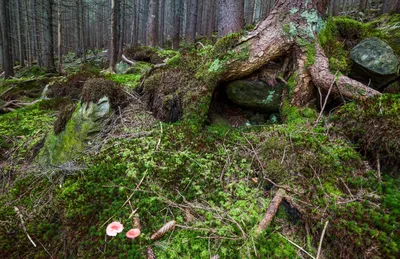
[346, 86]
[130, 62]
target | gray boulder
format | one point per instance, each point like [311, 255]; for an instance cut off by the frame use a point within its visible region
[256, 95]
[374, 63]
[122, 67]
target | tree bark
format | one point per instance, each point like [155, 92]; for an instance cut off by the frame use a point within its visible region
[82, 24]
[21, 45]
[152, 23]
[176, 28]
[249, 13]
[231, 16]
[162, 23]
[48, 44]
[6, 39]
[191, 22]
[114, 34]
[59, 39]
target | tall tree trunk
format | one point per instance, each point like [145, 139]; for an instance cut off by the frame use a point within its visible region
[114, 34]
[6, 39]
[48, 45]
[122, 29]
[36, 39]
[134, 34]
[231, 16]
[176, 28]
[249, 12]
[386, 6]
[152, 23]
[162, 22]
[82, 37]
[21, 45]
[191, 22]
[59, 38]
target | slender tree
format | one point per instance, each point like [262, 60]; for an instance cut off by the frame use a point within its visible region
[152, 23]
[363, 5]
[59, 37]
[191, 22]
[6, 40]
[48, 43]
[176, 28]
[113, 55]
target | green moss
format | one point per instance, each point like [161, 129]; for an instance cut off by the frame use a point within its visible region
[225, 44]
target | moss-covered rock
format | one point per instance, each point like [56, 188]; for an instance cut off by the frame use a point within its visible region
[256, 95]
[374, 62]
[87, 120]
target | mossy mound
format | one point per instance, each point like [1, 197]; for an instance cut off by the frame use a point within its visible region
[374, 125]
[96, 88]
[173, 94]
[22, 88]
[70, 87]
[143, 53]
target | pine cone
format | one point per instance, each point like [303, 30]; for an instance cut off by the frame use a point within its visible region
[161, 232]
[150, 253]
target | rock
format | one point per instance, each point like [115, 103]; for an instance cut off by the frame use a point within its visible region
[374, 63]
[122, 67]
[256, 95]
[87, 120]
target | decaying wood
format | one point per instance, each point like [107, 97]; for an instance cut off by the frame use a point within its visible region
[2, 74]
[272, 210]
[130, 62]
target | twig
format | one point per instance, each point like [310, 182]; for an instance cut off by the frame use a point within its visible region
[378, 166]
[129, 198]
[322, 238]
[296, 245]
[23, 225]
[326, 100]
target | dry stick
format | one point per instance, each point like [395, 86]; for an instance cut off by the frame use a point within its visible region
[129, 198]
[296, 245]
[23, 225]
[326, 101]
[378, 166]
[130, 62]
[272, 209]
[322, 238]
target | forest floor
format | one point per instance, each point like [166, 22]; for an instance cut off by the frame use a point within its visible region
[336, 178]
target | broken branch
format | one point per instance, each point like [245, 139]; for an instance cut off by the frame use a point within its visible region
[272, 210]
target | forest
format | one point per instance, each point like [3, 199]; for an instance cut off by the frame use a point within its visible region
[200, 129]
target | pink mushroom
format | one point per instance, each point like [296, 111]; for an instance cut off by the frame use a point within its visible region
[133, 233]
[114, 228]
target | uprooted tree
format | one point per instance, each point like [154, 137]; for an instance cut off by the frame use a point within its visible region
[289, 33]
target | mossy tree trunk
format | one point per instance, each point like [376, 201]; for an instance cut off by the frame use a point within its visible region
[290, 32]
